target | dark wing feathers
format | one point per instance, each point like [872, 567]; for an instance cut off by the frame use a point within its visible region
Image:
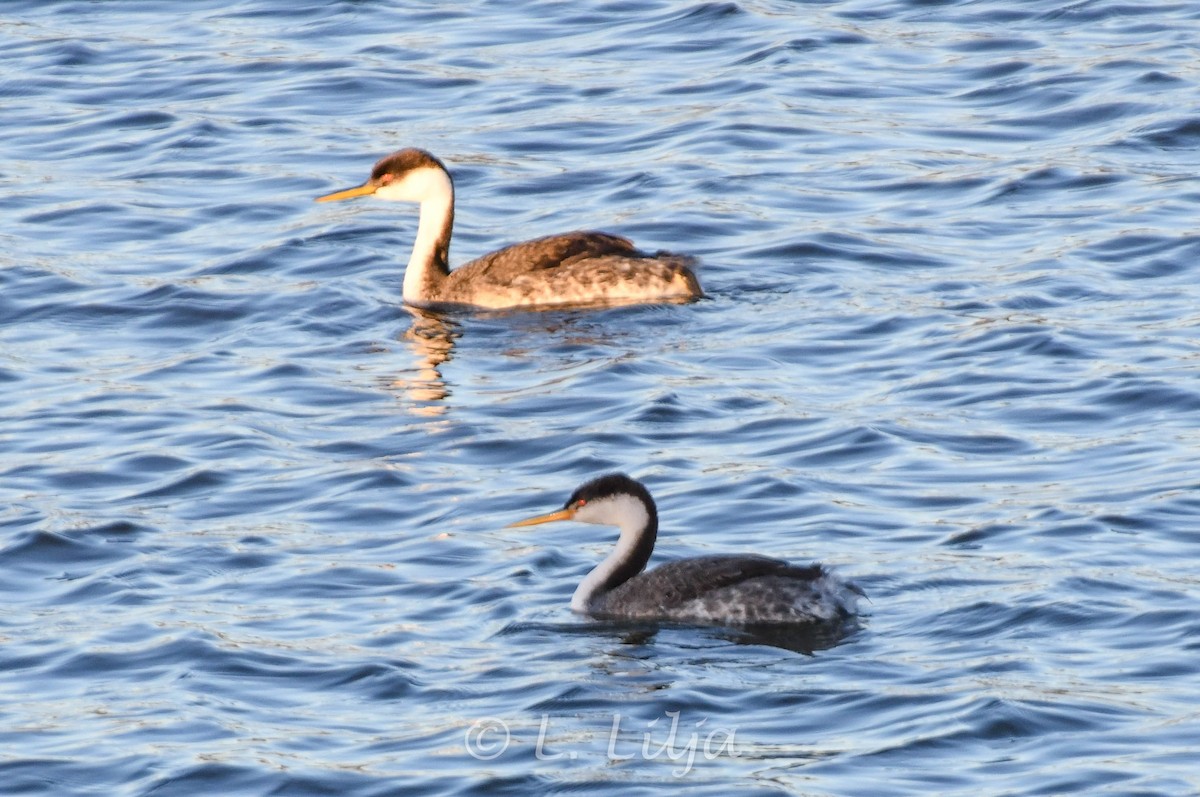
[549, 252]
[679, 582]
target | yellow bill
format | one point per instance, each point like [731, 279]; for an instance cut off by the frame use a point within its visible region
[366, 189]
[562, 514]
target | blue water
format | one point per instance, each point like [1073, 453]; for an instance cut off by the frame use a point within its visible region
[252, 509]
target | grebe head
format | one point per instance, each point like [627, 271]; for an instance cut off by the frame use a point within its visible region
[410, 175]
[612, 500]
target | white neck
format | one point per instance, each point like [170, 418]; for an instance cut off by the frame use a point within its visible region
[628, 514]
[433, 189]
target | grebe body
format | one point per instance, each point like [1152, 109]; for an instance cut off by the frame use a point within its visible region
[737, 590]
[575, 268]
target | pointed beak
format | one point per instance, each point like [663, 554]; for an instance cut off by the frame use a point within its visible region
[366, 189]
[562, 514]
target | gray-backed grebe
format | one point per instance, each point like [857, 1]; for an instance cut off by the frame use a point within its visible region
[738, 590]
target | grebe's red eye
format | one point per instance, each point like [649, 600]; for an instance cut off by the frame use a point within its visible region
[580, 502]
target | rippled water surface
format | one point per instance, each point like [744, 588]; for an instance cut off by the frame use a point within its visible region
[252, 508]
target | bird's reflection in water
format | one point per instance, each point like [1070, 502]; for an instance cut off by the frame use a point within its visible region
[560, 334]
[431, 339]
[806, 640]
[798, 639]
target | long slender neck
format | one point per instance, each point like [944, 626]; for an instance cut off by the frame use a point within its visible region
[639, 529]
[429, 264]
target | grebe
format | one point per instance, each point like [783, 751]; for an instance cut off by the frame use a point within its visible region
[576, 268]
[738, 590]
